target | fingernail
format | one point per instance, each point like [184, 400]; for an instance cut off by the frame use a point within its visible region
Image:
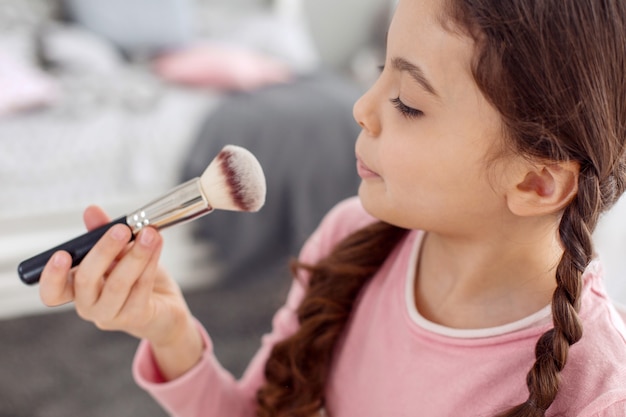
[58, 260]
[147, 237]
[118, 233]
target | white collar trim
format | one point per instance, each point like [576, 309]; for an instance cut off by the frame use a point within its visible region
[540, 316]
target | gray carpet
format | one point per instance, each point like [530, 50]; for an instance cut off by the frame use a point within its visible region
[56, 365]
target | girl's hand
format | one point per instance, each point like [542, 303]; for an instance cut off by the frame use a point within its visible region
[120, 286]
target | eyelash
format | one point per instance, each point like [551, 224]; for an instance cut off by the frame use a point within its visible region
[406, 111]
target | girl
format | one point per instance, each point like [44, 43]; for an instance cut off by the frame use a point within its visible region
[462, 282]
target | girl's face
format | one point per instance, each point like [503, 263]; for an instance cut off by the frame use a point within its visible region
[427, 132]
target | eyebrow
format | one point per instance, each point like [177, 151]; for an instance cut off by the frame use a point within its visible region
[415, 72]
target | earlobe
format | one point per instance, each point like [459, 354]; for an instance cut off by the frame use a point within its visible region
[544, 189]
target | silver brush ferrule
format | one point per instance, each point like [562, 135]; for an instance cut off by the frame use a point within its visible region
[181, 204]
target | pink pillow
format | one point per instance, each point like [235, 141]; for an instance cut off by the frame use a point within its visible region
[23, 87]
[221, 67]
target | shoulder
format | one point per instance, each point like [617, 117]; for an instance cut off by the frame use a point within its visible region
[604, 329]
[595, 374]
[611, 404]
[344, 218]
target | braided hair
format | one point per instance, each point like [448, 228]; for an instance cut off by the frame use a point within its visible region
[556, 72]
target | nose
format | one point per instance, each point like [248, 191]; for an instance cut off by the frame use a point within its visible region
[365, 112]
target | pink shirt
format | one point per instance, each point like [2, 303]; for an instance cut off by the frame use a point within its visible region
[392, 362]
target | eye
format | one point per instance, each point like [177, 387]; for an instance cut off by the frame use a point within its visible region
[406, 111]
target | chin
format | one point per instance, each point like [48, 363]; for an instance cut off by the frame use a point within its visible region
[380, 207]
[376, 205]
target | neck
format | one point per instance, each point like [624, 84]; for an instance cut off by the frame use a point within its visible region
[487, 280]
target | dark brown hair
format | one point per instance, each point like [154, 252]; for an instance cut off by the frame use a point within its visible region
[555, 70]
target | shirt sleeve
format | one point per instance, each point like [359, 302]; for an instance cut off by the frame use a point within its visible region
[209, 390]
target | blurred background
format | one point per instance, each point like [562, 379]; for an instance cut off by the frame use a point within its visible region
[115, 102]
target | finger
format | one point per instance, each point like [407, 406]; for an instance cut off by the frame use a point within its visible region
[90, 273]
[94, 217]
[144, 287]
[139, 261]
[56, 286]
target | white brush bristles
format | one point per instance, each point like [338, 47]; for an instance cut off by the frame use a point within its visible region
[234, 180]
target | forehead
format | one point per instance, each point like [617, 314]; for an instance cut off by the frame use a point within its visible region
[421, 33]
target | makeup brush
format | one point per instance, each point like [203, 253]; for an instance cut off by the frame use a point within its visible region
[234, 180]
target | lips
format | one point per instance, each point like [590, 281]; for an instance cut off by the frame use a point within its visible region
[364, 171]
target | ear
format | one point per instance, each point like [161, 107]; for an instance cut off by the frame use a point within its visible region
[544, 188]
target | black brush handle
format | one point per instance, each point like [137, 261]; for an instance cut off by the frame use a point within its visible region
[30, 269]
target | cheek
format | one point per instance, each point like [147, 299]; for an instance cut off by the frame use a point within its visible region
[419, 161]
[401, 162]
[408, 177]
